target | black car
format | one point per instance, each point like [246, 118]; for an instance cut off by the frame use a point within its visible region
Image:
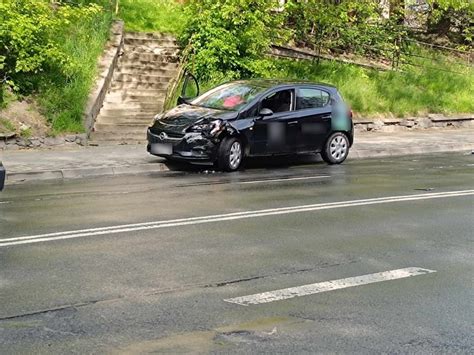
[250, 118]
[2, 176]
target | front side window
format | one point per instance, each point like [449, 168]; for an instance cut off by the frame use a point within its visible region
[279, 101]
[311, 98]
[231, 96]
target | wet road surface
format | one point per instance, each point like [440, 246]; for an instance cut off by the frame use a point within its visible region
[155, 263]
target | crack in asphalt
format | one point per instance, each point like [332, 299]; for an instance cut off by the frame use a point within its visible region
[176, 289]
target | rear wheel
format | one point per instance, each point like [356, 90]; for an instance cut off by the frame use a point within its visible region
[336, 148]
[230, 155]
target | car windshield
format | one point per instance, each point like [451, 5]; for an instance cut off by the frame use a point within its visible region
[231, 96]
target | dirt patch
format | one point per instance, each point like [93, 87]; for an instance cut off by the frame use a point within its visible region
[24, 119]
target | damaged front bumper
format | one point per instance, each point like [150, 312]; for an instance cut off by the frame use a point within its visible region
[192, 147]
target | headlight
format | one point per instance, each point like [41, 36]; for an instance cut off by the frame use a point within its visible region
[213, 127]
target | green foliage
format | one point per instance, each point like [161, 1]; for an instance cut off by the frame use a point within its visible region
[454, 19]
[230, 37]
[348, 26]
[28, 44]
[6, 126]
[51, 51]
[414, 91]
[152, 15]
[26, 133]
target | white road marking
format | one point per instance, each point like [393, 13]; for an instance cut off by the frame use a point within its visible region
[288, 179]
[224, 217]
[319, 287]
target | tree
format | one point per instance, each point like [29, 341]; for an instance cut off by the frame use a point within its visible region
[230, 36]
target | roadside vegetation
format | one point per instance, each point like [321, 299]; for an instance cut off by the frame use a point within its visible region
[49, 49]
[420, 80]
[152, 15]
[48, 53]
[373, 93]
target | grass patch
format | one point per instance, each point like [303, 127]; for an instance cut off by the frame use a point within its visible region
[63, 99]
[6, 126]
[435, 83]
[152, 15]
[414, 91]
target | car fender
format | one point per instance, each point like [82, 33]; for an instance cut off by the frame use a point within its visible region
[239, 128]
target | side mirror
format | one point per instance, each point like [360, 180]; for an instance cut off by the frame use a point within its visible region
[265, 112]
[182, 100]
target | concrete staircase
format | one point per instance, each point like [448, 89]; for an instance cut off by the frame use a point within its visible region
[138, 89]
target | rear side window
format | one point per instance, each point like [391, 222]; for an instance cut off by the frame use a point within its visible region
[311, 98]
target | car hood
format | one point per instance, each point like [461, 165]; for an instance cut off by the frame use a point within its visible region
[183, 116]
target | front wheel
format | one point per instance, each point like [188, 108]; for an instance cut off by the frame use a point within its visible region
[230, 154]
[336, 149]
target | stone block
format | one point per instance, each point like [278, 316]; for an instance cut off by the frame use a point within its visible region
[424, 123]
[70, 138]
[53, 141]
[409, 123]
[376, 126]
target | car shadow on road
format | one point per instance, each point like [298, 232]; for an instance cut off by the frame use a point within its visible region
[276, 162]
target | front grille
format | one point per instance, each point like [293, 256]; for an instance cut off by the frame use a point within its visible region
[174, 135]
[164, 137]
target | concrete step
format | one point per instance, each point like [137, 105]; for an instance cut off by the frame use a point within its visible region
[146, 120]
[157, 65]
[113, 112]
[120, 85]
[136, 58]
[141, 78]
[118, 98]
[122, 128]
[162, 51]
[145, 70]
[152, 42]
[148, 35]
[134, 106]
[138, 94]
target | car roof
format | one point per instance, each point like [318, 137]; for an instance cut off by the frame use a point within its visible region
[270, 83]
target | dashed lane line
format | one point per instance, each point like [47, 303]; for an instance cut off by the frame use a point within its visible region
[311, 289]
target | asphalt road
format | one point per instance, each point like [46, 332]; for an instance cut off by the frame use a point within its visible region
[159, 263]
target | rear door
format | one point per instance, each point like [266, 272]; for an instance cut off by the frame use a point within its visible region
[313, 113]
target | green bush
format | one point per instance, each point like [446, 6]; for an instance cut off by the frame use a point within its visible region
[229, 37]
[28, 39]
[51, 52]
[354, 26]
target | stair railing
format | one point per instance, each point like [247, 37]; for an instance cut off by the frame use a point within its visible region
[175, 86]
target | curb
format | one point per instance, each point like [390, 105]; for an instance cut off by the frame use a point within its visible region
[397, 152]
[63, 174]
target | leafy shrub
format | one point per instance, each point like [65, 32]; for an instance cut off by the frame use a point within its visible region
[344, 26]
[51, 51]
[453, 19]
[230, 37]
[28, 39]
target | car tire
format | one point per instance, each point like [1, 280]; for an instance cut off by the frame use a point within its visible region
[336, 149]
[231, 154]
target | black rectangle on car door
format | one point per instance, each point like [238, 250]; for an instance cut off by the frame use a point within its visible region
[313, 112]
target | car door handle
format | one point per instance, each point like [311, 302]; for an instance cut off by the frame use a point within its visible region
[292, 123]
[327, 117]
